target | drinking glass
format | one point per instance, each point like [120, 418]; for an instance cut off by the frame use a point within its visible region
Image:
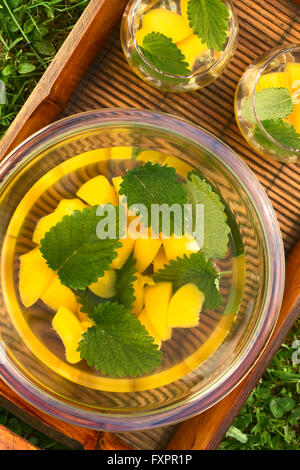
[279, 68]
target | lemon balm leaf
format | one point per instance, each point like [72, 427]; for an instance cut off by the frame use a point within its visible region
[118, 344]
[73, 249]
[283, 132]
[270, 103]
[164, 54]
[216, 229]
[196, 269]
[124, 285]
[152, 184]
[209, 20]
[88, 300]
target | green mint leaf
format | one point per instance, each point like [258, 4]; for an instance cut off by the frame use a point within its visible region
[283, 132]
[164, 55]
[237, 434]
[25, 68]
[73, 250]
[196, 269]
[209, 20]
[270, 103]
[88, 300]
[44, 47]
[124, 284]
[237, 246]
[154, 184]
[118, 344]
[216, 229]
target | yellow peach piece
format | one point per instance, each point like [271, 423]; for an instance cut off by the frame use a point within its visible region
[144, 319]
[179, 246]
[70, 331]
[34, 277]
[192, 48]
[98, 191]
[56, 295]
[169, 23]
[141, 34]
[294, 118]
[86, 324]
[185, 307]
[121, 153]
[65, 207]
[139, 290]
[293, 74]
[160, 260]
[116, 181]
[272, 80]
[183, 9]
[123, 253]
[145, 251]
[157, 299]
[105, 286]
[182, 168]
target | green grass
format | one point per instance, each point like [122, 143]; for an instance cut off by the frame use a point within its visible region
[270, 419]
[30, 32]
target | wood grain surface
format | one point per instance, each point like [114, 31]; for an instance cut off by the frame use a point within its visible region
[73, 437]
[11, 441]
[109, 82]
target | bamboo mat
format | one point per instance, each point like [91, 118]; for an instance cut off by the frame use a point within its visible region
[109, 82]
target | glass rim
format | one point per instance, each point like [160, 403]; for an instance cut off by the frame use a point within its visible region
[275, 268]
[233, 29]
[277, 52]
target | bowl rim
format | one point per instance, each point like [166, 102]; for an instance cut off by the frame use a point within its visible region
[57, 132]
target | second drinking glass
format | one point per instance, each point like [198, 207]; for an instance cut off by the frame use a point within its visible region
[179, 45]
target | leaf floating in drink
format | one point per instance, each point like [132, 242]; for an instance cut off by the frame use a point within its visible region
[270, 103]
[73, 249]
[117, 300]
[118, 344]
[164, 55]
[209, 20]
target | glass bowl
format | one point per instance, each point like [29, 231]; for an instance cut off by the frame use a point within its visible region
[278, 68]
[202, 74]
[201, 365]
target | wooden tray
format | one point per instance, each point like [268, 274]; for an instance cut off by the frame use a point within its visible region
[109, 82]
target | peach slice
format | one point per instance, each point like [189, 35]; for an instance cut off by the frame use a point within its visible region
[105, 287]
[179, 246]
[98, 191]
[65, 207]
[139, 291]
[185, 307]
[272, 80]
[34, 277]
[157, 299]
[70, 331]
[161, 20]
[160, 260]
[144, 319]
[192, 48]
[56, 295]
[145, 251]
